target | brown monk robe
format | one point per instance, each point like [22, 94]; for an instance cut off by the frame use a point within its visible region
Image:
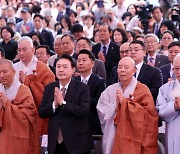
[18, 129]
[136, 124]
[36, 82]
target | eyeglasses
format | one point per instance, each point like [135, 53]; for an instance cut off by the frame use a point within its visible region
[176, 69]
[149, 42]
[135, 49]
[124, 51]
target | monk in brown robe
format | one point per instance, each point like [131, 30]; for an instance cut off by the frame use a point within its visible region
[136, 119]
[33, 74]
[18, 127]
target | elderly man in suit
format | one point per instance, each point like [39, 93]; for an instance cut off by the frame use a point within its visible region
[106, 50]
[66, 103]
[96, 84]
[167, 70]
[152, 58]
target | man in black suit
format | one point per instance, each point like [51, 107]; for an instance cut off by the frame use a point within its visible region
[107, 51]
[157, 14]
[146, 74]
[151, 46]
[167, 70]
[66, 103]
[96, 84]
[38, 27]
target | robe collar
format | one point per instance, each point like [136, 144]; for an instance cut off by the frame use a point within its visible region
[12, 91]
[130, 88]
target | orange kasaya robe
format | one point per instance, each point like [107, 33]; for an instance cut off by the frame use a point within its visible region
[36, 82]
[18, 127]
[136, 124]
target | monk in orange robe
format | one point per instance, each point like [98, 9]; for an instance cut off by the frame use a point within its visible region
[18, 127]
[33, 74]
[136, 119]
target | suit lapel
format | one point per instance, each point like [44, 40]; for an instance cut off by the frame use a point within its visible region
[157, 61]
[142, 72]
[70, 90]
[91, 81]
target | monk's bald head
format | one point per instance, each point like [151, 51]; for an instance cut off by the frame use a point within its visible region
[128, 61]
[7, 62]
[126, 70]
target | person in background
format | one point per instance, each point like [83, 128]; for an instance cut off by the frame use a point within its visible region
[96, 84]
[167, 70]
[9, 45]
[166, 39]
[98, 67]
[151, 42]
[119, 36]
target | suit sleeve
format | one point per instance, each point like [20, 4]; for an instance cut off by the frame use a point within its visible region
[156, 83]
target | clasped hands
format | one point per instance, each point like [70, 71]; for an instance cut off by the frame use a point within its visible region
[177, 103]
[3, 100]
[119, 97]
[101, 56]
[58, 97]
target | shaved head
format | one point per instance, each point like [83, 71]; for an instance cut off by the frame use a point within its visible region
[126, 70]
[128, 61]
[6, 62]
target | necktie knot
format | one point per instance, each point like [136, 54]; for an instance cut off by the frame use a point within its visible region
[84, 81]
[104, 50]
[63, 90]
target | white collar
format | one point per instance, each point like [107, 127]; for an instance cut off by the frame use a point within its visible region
[87, 78]
[107, 45]
[138, 66]
[154, 56]
[66, 86]
[12, 91]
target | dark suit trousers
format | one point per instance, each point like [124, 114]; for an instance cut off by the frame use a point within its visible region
[61, 149]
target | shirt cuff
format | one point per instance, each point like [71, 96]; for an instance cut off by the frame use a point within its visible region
[53, 106]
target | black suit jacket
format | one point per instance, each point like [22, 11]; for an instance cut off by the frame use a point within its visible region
[166, 72]
[148, 75]
[112, 57]
[71, 117]
[96, 86]
[161, 60]
[47, 36]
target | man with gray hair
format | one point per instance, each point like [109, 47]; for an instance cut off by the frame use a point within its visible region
[33, 74]
[168, 106]
[151, 42]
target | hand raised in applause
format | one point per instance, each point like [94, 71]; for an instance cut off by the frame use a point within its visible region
[58, 97]
[101, 57]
